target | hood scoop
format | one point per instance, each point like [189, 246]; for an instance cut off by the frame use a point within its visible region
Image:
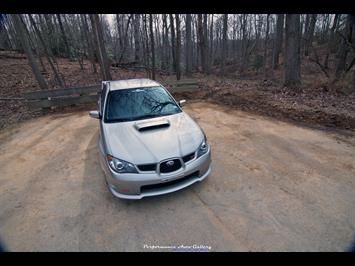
[151, 125]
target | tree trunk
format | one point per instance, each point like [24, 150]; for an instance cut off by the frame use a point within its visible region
[19, 27]
[331, 42]
[158, 45]
[205, 41]
[136, 20]
[343, 50]
[195, 44]
[292, 74]
[188, 46]
[306, 27]
[50, 31]
[7, 41]
[89, 40]
[119, 29]
[211, 64]
[125, 38]
[46, 39]
[202, 45]
[75, 48]
[224, 48]
[266, 42]
[166, 50]
[12, 33]
[257, 24]
[309, 31]
[97, 29]
[178, 47]
[278, 40]
[38, 51]
[173, 50]
[152, 44]
[50, 61]
[64, 36]
[244, 47]
[146, 53]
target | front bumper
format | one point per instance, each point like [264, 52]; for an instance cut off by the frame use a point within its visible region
[137, 186]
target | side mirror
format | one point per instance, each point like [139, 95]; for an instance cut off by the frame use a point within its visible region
[182, 103]
[94, 114]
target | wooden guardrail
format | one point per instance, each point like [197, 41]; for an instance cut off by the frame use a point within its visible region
[62, 97]
[183, 85]
[89, 94]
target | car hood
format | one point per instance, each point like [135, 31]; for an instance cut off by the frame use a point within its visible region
[125, 141]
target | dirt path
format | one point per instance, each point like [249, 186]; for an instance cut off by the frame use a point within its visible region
[274, 187]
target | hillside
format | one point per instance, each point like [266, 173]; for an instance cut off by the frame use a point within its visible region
[313, 104]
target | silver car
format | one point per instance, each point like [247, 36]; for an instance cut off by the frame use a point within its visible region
[148, 145]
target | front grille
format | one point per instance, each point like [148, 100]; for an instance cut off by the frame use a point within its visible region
[170, 166]
[188, 157]
[170, 183]
[147, 167]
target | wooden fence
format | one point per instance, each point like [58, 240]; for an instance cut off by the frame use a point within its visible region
[89, 94]
[62, 97]
[184, 85]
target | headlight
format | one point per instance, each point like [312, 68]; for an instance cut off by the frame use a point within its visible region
[120, 166]
[203, 148]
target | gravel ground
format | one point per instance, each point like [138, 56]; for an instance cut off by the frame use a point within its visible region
[274, 186]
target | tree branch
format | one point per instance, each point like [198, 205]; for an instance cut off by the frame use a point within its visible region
[316, 60]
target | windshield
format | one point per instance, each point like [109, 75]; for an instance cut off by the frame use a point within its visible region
[141, 103]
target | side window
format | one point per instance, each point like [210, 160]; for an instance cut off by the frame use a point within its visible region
[102, 98]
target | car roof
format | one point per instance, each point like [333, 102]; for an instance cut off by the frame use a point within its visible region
[131, 84]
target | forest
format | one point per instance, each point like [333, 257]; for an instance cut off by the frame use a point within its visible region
[303, 56]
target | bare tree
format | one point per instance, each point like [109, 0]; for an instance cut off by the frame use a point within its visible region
[50, 31]
[188, 39]
[258, 23]
[266, 41]
[309, 30]
[91, 50]
[19, 27]
[292, 72]
[278, 40]
[152, 44]
[4, 34]
[165, 50]
[211, 57]
[178, 47]
[104, 64]
[331, 40]
[225, 39]
[47, 53]
[205, 42]
[202, 44]
[125, 39]
[136, 22]
[244, 43]
[146, 44]
[173, 50]
[344, 49]
[73, 35]
[64, 36]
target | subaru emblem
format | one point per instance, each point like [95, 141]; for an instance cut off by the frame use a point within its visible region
[170, 163]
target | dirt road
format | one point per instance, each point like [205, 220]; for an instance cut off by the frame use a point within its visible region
[274, 187]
